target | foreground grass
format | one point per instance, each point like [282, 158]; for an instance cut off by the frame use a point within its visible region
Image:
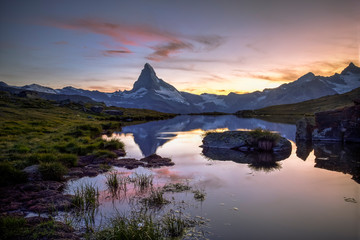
[35, 131]
[16, 228]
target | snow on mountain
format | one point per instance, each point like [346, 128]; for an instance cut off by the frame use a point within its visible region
[136, 94]
[151, 92]
[351, 81]
[39, 88]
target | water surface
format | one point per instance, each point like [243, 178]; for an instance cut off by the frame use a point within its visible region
[312, 196]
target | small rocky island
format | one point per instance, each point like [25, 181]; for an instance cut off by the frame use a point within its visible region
[246, 146]
[256, 140]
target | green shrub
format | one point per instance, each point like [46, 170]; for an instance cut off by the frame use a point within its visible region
[104, 154]
[19, 148]
[91, 130]
[111, 125]
[69, 160]
[12, 227]
[262, 134]
[52, 171]
[113, 145]
[10, 175]
[41, 157]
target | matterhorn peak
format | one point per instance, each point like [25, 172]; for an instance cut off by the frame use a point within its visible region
[147, 79]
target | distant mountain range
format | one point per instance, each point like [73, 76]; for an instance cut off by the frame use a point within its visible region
[150, 92]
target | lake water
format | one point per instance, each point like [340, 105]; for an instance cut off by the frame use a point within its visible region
[309, 195]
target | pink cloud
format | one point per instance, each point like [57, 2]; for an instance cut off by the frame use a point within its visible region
[123, 33]
[163, 43]
[164, 50]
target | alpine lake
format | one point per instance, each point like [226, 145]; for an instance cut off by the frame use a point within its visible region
[314, 193]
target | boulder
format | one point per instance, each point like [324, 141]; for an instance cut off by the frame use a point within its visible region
[114, 112]
[97, 109]
[32, 172]
[29, 94]
[155, 160]
[338, 125]
[228, 140]
[304, 129]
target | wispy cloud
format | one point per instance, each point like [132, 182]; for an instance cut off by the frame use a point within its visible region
[164, 50]
[61, 43]
[116, 52]
[164, 43]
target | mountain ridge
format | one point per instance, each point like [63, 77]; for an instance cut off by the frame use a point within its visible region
[151, 92]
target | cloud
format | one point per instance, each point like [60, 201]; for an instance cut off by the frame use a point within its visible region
[164, 43]
[280, 75]
[255, 48]
[209, 42]
[61, 43]
[116, 52]
[102, 88]
[164, 50]
[123, 33]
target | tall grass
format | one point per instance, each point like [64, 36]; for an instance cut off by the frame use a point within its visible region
[142, 225]
[173, 224]
[142, 181]
[155, 199]
[86, 197]
[138, 225]
[112, 182]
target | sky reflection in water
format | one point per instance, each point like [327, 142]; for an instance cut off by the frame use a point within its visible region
[291, 200]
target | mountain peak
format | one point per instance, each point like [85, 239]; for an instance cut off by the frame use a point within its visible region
[147, 79]
[306, 78]
[351, 68]
[147, 65]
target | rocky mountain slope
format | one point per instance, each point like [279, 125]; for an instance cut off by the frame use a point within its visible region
[151, 92]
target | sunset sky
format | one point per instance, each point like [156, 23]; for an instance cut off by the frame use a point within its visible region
[197, 46]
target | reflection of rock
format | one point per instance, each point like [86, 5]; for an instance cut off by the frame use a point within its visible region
[149, 136]
[244, 157]
[303, 149]
[338, 157]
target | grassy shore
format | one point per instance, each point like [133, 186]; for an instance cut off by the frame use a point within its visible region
[36, 131]
[289, 113]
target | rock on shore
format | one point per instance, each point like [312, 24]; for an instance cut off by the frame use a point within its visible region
[341, 125]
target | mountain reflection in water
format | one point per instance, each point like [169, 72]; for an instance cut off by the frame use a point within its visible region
[149, 136]
[331, 156]
[287, 197]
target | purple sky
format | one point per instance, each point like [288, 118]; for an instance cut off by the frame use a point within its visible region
[197, 46]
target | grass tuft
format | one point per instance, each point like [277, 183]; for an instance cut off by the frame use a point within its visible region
[199, 195]
[142, 181]
[10, 175]
[86, 197]
[52, 171]
[156, 198]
